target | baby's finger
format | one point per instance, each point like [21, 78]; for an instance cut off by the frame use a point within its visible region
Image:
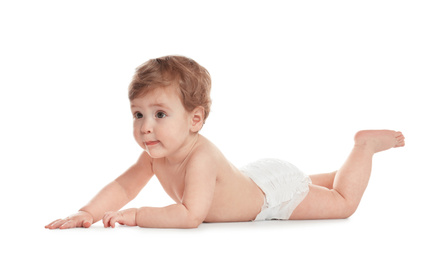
[51, 224]
[113, 220]
[86, 224]
[68, 224]
[106, 220]
[57, 223]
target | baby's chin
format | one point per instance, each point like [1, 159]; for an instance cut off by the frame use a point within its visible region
[154, 153]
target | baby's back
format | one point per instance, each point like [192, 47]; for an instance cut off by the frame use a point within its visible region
[237, 197]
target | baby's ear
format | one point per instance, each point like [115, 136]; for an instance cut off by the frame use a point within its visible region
[198, 115]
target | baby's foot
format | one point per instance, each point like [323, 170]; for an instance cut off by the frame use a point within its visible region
[379, 140]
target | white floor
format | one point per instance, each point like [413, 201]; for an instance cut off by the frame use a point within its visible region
[361, 237]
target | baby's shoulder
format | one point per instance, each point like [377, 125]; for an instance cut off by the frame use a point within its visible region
[205, 152]
[205, 160]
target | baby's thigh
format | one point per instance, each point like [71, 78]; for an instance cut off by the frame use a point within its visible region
[321, 203]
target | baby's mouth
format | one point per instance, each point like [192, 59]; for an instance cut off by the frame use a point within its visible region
[150, 143]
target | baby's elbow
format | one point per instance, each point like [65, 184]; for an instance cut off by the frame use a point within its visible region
[196, 223]
[193, 220]
[192, 225]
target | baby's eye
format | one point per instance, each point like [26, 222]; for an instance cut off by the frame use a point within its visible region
[138, 115]
[160, 115]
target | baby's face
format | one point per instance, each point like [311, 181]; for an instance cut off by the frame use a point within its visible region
[160, 122]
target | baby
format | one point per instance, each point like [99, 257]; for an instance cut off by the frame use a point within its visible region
[170, 101]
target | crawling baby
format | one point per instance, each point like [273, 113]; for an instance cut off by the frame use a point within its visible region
[170, 101]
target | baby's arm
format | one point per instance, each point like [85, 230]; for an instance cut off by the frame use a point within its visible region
[112, 197]
[198, 195]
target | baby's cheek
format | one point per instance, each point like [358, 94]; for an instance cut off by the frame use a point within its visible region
[138, 139]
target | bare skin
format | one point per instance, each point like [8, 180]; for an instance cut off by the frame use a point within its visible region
[337, 194]
[205, 186]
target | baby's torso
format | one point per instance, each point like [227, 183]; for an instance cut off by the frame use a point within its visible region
[236, 196]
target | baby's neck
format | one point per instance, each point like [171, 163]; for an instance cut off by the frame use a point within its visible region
[181, 156]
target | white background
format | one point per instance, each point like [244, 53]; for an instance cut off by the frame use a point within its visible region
[291, 79]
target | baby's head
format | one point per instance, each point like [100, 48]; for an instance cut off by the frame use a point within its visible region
[192, 81]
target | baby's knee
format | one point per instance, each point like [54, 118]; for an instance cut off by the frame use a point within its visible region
[346, 207]
[349, 209]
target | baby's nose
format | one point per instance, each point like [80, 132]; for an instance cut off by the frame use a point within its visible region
[146, 127]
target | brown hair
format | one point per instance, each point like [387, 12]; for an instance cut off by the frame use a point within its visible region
[193, 80]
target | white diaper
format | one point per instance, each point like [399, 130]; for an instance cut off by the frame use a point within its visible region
[284, 185]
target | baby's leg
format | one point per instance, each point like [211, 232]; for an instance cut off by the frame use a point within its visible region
[351, 179]
[323, 179]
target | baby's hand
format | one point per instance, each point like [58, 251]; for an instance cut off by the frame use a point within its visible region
[125, 217]
[80, 219]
